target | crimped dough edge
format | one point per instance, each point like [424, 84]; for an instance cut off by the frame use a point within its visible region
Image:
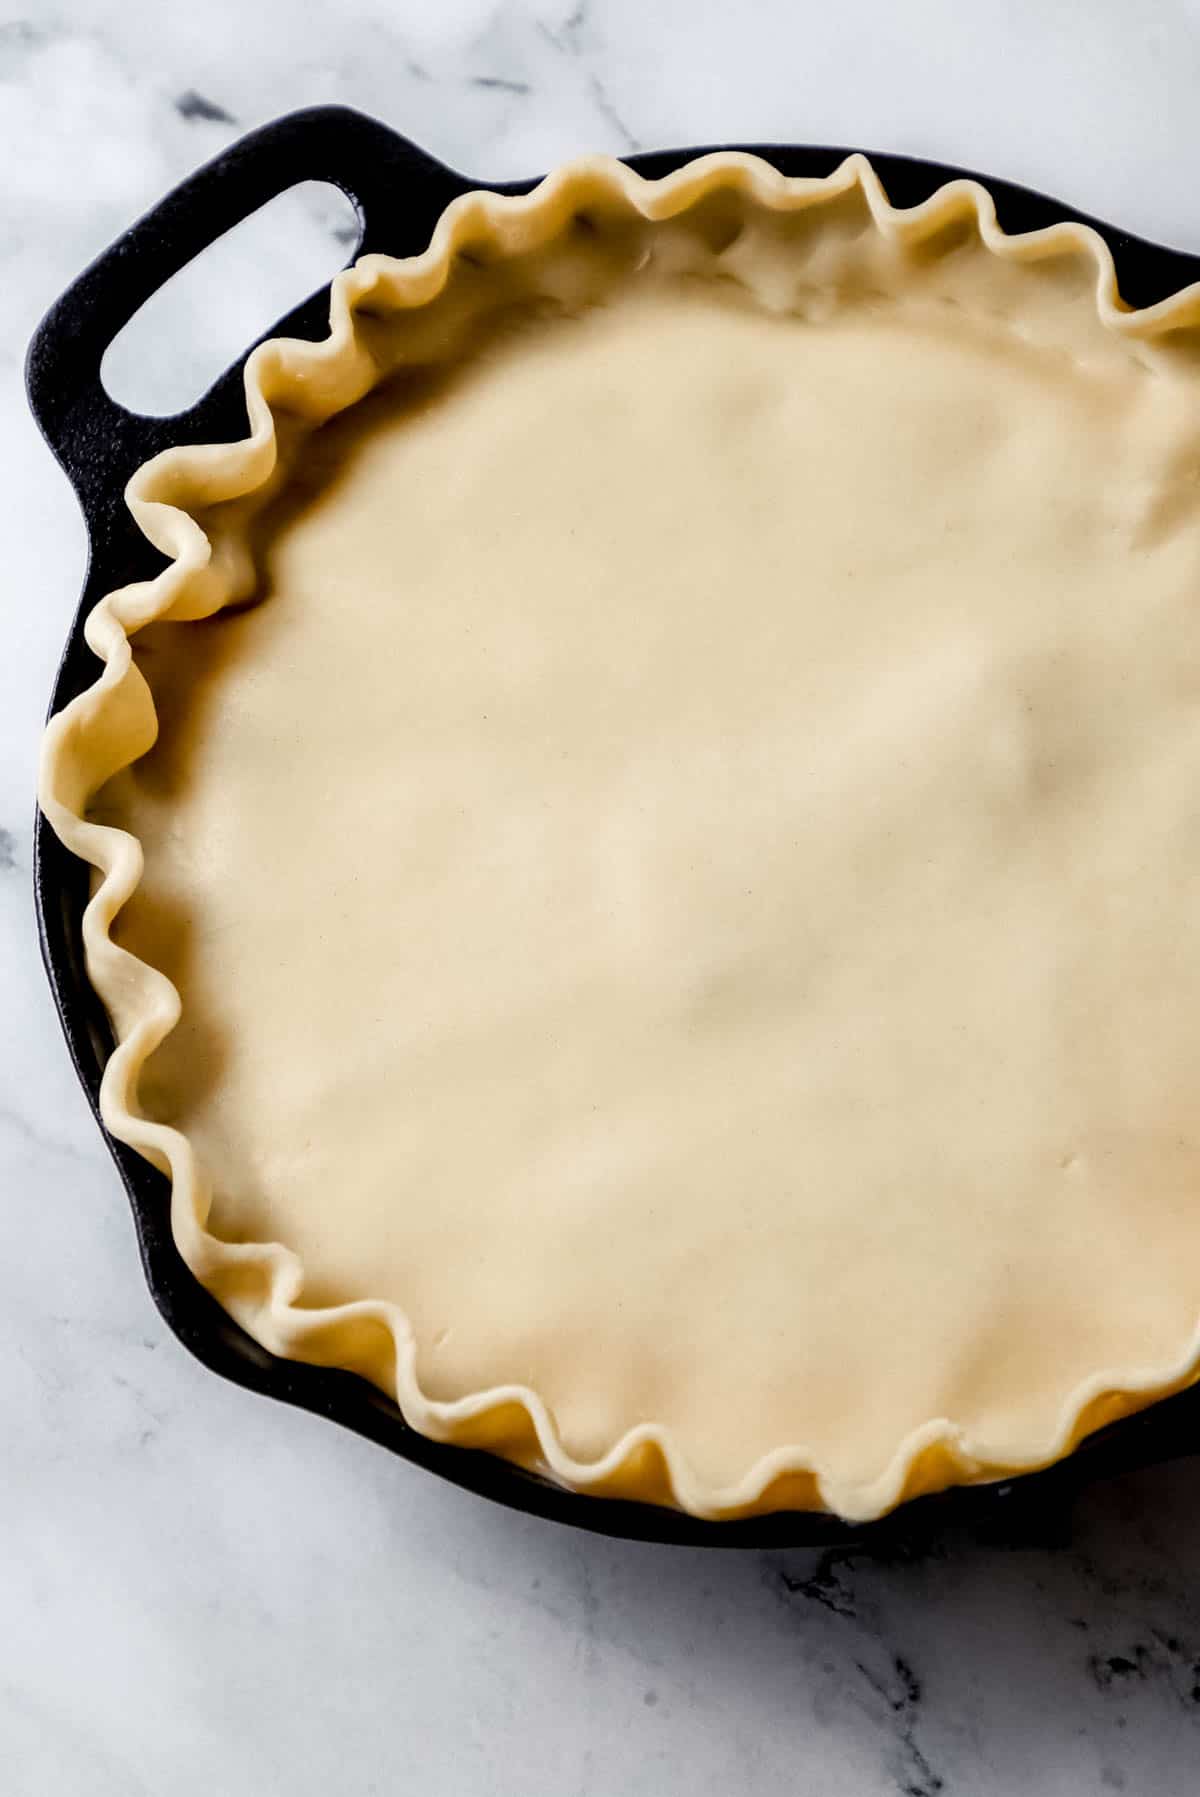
[113, 723]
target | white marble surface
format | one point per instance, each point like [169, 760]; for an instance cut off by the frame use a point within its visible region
[201, 1592]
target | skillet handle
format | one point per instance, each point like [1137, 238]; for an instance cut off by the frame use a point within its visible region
[100, 442]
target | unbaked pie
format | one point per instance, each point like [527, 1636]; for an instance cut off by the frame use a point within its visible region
[648, 838]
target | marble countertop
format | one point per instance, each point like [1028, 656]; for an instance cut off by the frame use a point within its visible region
[202, 1591]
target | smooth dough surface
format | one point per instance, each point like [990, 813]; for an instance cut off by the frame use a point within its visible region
[687, 879]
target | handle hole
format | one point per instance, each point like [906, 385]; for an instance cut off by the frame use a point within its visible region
[201, 320]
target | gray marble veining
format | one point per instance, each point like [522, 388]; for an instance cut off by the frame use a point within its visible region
[202, 1592]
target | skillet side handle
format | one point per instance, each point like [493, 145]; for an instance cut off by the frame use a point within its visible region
[99, 442]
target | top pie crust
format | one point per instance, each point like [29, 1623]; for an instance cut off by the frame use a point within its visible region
[648, 838]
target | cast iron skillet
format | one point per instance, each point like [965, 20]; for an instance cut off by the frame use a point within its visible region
[399, 192]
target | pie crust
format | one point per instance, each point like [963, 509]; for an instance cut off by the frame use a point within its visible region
[647, 838]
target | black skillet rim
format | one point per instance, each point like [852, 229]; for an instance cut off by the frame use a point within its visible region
[398, 192]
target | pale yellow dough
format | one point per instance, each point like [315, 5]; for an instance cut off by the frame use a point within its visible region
[684, 886]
